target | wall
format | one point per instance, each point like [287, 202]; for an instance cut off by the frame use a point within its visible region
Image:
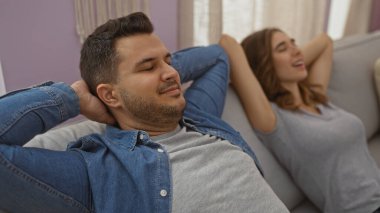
[165, 19]
[38, 41]
[375, 16]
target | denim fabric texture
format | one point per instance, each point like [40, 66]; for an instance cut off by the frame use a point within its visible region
[120, 171]
[37, 180]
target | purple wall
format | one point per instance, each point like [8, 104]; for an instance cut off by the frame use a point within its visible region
[375, 16]
[164, 17]
[38, 41]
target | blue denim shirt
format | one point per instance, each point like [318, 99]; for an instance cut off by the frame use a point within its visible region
[129, 172]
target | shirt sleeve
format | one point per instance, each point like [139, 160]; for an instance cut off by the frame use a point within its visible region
[28, 112]
[208, 68]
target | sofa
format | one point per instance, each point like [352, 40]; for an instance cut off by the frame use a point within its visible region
[352, 88]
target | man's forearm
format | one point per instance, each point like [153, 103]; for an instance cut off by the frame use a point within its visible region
[192, 63]
[26, 113]
[209, 68]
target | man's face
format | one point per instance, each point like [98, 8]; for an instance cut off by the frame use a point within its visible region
[148, 85]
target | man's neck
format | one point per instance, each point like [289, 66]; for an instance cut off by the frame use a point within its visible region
[151, 129]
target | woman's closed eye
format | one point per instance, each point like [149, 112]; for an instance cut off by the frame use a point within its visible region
[281, 48]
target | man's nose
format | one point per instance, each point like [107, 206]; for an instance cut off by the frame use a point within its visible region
[168, 72]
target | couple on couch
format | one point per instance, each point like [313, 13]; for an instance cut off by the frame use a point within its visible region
[161, 153]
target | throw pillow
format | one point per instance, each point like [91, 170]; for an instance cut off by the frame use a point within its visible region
[377, 76]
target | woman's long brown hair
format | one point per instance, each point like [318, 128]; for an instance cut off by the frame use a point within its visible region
[258, 49]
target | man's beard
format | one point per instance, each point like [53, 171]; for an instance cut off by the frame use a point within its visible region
[149, 110]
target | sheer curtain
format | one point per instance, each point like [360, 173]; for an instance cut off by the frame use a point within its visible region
[91, 13]
[350, 17]
[358, 18]
[203, 21]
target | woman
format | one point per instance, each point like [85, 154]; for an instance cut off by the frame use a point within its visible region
[285, 98]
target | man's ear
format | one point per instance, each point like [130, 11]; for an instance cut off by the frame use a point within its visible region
[108, 94]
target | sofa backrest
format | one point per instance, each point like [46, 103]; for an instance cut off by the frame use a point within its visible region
[276, 176]
[352, 85]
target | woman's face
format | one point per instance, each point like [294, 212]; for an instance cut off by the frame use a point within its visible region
[288, 59]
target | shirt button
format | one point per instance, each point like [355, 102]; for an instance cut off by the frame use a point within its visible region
[160, 150]
[141, 137]
[163, 193]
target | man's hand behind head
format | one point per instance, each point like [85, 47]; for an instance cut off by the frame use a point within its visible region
[91, 106]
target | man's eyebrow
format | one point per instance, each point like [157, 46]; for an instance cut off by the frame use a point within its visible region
[145, 60]
[168, 57]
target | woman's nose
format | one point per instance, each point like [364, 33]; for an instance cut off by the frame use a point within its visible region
[295, 50]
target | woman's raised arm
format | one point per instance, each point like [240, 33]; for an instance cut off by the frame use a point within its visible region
[318, 59]
[252, 96]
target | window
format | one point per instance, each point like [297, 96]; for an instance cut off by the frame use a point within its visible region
[337, 18]
[210, 18]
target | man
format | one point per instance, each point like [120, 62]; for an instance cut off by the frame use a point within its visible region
[158, 155]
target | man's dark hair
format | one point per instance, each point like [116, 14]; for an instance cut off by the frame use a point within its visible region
[99, 59]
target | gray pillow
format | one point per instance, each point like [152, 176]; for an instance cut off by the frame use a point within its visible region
[59, 138]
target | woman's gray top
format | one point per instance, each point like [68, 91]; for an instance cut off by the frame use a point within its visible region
[327, 156]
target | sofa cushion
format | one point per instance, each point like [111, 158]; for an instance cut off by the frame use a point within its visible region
[60, 137]
[352, 84]
[377, 76]
[306, 206]
[374, 148]
[276, 176]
